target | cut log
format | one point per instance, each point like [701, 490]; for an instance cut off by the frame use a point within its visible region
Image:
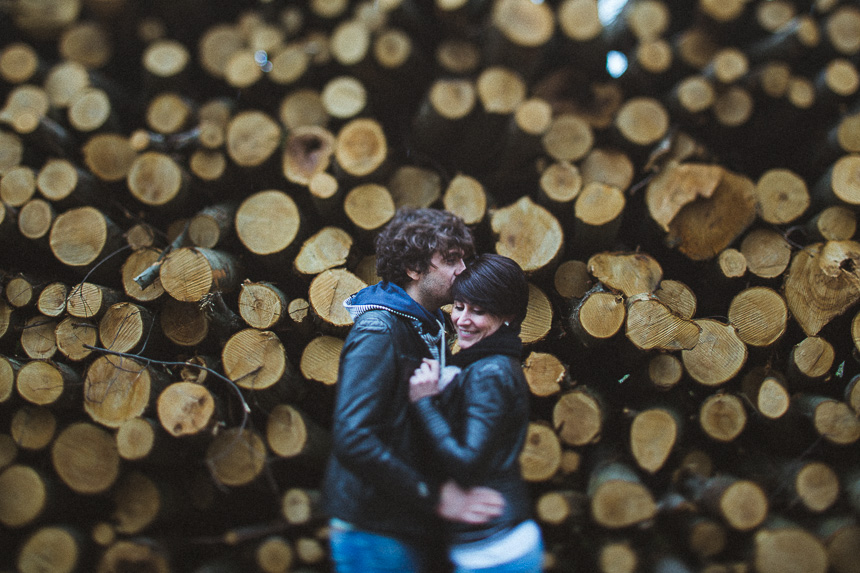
[320, 359]
[541, 456]
[236, 457]
[326, 294]
[782, 196]
[559, 507]
[598, 316]
[117, 389]
[651, 324]
[212, 224]
[766, 252]
[291, 433]
[539, 317]
[307, 151]
[89, 300]
[184, 323]
[256, 360]
[578, 417]
[831, 419]
[139, 502]
[19, 62]
[517, 32]
[186, 409]
[37, 340]
[839, 184]
[34, 221]
[569, 138]
[608, 166]
[617, 557]
[641, 122]
[722, 417]
[841, 536]
[141, 278]
[835, 223]
[59, 548]
[49, 383]
[572, 279]
[630, 273]
[361, 148]
[85, 458]
[768, 391]
[344, 98]
[653, 435]
[618, 497]
[822, 283]
[852, 393]
[786, 549]
[268, 223]
[529, 234]
[718, 356]
[274, 554]
[677, 296]
[665, 371]
[190, 274]
[544, 373]
[143, 553]
[17, 186]
[33, 428]
[742, 504]
[599, 209]
[23, 495]
[127, 327]
[90, 111]
[810, 361]
[329, 248]
[9, 368]
[705, 227]
[262, 305]
[83, 236]
[144, 440]
[760, 316]
[252, 138]
[416, 187]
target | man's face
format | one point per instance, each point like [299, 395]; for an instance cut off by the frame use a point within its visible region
[433, 286]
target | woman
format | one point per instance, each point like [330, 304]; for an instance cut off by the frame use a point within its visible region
[477, 421]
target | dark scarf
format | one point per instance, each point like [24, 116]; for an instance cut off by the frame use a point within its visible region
[505, 340]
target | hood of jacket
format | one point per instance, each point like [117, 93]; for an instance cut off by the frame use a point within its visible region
[389, 297]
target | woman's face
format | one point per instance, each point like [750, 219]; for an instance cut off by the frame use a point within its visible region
[473, 323]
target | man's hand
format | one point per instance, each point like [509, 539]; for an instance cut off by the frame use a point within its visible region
[425, 380]
[475, 505]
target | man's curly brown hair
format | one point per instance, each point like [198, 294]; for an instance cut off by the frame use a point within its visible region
[410, 239]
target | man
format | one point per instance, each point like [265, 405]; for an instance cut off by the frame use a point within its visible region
[384, 508]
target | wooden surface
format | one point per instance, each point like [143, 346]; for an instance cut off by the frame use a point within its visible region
[187, 196]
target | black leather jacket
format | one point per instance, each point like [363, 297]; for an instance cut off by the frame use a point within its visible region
[479, 424]
[372, 480]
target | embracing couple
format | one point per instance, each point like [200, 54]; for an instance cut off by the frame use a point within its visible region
[424, 474]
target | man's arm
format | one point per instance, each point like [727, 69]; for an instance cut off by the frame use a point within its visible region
[366, 383]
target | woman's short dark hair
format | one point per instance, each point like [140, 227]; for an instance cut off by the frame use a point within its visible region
[495, 283]
[410, 239]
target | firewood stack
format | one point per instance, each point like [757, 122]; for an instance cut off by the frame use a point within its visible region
[191, 189]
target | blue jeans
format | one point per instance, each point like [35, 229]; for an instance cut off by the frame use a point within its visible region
[357, 551]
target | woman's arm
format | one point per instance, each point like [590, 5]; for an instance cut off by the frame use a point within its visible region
[463, 456]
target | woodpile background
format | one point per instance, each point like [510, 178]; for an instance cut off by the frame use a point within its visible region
[190, 188]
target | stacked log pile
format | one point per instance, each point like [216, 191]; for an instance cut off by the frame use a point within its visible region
[189, 190]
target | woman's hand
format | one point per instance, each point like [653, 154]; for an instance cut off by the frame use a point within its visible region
[425, 380]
